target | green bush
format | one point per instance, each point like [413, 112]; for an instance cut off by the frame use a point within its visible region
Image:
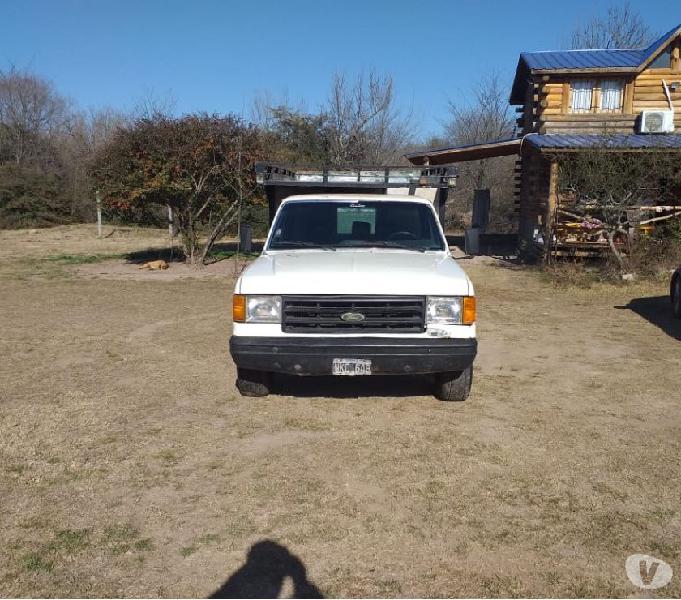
[31, 198]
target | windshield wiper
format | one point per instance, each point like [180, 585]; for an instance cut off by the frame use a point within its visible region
[389, 244]
[301, 244]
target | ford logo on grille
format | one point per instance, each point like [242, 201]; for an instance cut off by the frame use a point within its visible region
[352, 317]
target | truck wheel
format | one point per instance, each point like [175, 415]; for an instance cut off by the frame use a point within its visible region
[253, 383]
[676, 297]
[454, 385]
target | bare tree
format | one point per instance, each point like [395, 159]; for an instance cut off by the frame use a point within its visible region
[487, 118]
[101, 124]
[364, 123]
[85, 134]
[31, 112]
[152, 104]
[620, 27]
[359, 123]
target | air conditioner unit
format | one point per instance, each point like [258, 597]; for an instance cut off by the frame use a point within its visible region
[657, 121]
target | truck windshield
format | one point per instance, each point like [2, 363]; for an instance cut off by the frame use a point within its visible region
[365, 224]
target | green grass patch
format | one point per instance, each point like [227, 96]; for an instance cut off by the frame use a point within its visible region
[188, 551]
[34, 523]
[218, 255]
[70, 540]
[119, 549]
[121, 533]
[17, 469]
[143, 545]
[169, 457]
[124, 539]
[209, 538]
[36, 562]
[80, 259]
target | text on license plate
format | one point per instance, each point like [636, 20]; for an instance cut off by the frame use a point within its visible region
[351, 366]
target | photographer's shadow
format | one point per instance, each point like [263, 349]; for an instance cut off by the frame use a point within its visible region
[267, 566]
[658, 311]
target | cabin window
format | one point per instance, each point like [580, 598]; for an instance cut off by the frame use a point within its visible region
[612, 95]
[582, 95]
[663, 61]
[594, 96]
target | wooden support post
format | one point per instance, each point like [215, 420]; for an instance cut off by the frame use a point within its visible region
[551, 203]
[98, 200]
[565, 98]
[628, 105]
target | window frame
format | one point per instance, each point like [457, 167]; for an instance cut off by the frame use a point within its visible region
[596, 107]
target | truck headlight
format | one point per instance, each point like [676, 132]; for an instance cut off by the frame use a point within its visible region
[450, 310]
[256, 309]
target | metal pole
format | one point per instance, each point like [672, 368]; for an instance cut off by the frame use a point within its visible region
[98, 199]
[171, 228]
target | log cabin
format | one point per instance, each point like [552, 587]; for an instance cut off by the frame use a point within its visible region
[628, 100]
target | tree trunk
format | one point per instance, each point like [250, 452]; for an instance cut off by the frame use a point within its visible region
[615, 251]
[188, 239]
[225, 220]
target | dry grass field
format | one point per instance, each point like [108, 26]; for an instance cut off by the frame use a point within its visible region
[130, 466]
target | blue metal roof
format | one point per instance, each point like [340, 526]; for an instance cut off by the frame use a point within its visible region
[594, 59]
[562, 141]
[578, 60]
[583, 59]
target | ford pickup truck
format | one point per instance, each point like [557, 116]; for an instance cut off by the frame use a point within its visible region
[355, 285]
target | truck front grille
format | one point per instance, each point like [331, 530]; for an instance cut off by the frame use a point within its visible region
[339, 314]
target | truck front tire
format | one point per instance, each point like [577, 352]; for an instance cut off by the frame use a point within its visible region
[454, 386]
[253, 383]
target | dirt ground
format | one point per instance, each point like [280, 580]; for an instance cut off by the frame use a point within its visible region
[130, 466]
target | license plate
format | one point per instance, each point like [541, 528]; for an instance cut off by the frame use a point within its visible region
[351, 366]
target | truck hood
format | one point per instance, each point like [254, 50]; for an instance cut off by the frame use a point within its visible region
[366, 271]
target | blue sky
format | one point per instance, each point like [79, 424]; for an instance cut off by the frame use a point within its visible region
[216, 55]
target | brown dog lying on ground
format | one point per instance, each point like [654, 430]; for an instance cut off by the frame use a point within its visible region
[155, 265]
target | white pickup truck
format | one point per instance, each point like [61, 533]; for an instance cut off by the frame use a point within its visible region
[355, 285]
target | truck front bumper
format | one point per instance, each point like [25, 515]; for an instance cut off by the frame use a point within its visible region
[389, 356]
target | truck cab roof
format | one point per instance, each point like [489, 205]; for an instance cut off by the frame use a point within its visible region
[356, 197]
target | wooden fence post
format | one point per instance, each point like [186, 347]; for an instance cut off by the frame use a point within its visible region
[98, 199]
[171, 223]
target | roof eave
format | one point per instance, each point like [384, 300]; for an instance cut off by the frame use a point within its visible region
[571, 71]
[445, 156]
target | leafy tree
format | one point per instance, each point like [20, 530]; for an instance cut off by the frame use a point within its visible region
[201, 165]
[298, 137]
